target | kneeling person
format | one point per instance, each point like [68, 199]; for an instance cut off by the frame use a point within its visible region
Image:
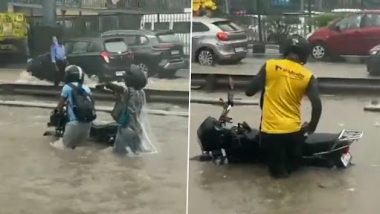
[79, 106]
[127, 110]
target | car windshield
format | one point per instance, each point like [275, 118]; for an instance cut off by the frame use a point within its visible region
[115, 45]
[227, 26]
[168, 38]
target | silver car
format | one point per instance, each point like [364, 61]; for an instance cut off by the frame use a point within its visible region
[217, 40]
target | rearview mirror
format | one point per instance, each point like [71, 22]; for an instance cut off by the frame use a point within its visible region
[337, 28]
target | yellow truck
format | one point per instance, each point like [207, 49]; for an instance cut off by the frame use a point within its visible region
[13, 34]
[203, 4]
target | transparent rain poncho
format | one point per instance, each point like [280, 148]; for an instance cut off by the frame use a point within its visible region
[138, 122]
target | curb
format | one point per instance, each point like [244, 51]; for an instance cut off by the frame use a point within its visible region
[215, 101]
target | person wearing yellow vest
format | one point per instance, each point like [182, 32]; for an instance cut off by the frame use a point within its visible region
[283, 83]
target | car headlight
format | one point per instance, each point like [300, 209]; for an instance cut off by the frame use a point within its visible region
[373, 52]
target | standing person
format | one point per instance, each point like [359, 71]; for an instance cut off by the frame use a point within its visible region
[283, 83]
[127, 110]
[80, 108]
[58, 58]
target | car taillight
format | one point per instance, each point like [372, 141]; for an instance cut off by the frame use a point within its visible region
[222, 36]
[162, 47]
[105, 56]
[346, 150]
[131, 55]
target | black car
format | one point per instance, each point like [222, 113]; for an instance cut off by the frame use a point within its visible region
[106, 56]
[155, 52]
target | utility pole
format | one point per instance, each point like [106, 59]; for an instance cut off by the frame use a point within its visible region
[302, 6]
[309, 12]
[49, 8]
[258, 6]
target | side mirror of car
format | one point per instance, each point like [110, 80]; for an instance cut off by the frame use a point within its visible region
[337, 28]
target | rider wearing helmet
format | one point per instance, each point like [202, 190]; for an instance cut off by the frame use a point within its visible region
[128, 107]
[75, 132]
[283, 83]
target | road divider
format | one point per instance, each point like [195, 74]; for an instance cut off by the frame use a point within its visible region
[212, 82]
[152, 95]
[216, 101]
[107, 109]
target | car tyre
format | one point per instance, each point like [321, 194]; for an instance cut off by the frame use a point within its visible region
[319, 51]
[206, 57]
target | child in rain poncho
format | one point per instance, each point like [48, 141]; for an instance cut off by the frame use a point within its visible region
[128, 113]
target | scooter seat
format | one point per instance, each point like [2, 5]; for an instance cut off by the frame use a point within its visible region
[318, 138]
[319, 142]
[104, 126]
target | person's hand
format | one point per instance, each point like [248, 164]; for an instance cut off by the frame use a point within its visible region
[55, 67]
[100, 86]
[305, 128]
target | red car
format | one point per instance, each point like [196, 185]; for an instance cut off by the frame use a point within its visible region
[355, 34]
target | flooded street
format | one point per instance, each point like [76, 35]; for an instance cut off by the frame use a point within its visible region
[248, 189]
[39, 179]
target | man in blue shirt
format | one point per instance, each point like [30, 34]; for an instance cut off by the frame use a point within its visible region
[58, 58]
[75, 132]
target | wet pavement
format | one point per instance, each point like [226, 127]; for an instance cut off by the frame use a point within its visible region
[250, 66]
[39, 179]
[248, 189]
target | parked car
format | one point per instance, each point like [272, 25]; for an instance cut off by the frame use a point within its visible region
[354, 34]
[158, 52]
[373, 61]
[106, 57]
[217, 40]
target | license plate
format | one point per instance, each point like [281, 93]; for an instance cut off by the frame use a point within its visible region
[175, 52]
[239, 49]
[120, 73]
[346, 159]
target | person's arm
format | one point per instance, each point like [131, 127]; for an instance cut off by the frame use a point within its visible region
[64, 52]
[52, 53]
[62, 100]
[312, 93]
[257, 84]
[115, 88]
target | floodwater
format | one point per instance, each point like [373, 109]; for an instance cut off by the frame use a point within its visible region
[248, 189]
[38, 179]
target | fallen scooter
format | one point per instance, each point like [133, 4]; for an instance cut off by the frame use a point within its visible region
[100, 133]
[223, 143]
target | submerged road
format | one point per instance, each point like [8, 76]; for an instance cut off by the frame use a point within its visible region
[248, 189]
[39, 179]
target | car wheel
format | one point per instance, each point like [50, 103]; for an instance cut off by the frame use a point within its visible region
[319, 51]
[206, 57]
[167, 74]
[148, 71]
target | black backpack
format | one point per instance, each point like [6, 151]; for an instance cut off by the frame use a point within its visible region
[83, 104]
